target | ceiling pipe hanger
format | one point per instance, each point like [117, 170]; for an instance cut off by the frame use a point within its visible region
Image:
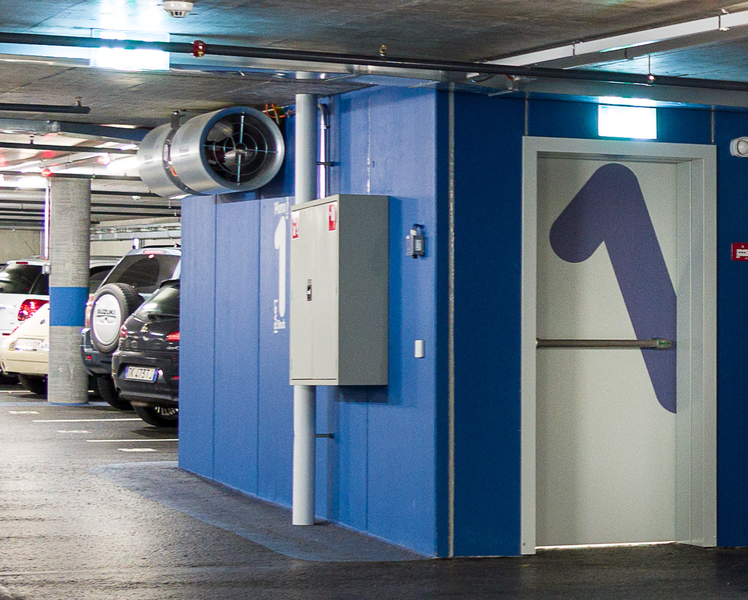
[200, 49]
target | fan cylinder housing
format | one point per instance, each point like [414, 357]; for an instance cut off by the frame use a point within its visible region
[154, 164]
[231, 150]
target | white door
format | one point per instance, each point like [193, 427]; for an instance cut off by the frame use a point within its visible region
[606, 422]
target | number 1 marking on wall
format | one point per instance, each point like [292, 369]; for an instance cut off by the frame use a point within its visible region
[280, 302]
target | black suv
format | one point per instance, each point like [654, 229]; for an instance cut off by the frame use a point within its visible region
[135, 277]
[145, 367]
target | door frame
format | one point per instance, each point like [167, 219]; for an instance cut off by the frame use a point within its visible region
[696, 289]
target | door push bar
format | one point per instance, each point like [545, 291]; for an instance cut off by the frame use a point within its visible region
[652, 343]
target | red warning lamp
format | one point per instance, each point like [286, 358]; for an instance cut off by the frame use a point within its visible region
[198, 48]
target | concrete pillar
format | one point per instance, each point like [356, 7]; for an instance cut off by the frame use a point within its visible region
[69, 243]
[304, 396]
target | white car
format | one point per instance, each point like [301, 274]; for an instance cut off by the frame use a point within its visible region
[24, 287]
[26, 352]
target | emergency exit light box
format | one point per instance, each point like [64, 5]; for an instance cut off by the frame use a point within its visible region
[340, 291]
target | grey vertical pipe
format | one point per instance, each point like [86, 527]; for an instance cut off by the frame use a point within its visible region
[69, 249]
[304, 396]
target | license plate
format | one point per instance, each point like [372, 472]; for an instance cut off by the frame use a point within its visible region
[140, 374]
[27, 344]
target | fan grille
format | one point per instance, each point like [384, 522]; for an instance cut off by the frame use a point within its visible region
[236, 148]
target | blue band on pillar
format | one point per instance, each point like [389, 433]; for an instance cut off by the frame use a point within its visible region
[67, 306]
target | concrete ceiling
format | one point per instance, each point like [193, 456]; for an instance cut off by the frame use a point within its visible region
[464, 30]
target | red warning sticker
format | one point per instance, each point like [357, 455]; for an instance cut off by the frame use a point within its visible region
[294, 225]
[332, 217]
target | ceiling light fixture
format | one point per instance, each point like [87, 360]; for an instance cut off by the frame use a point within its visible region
[119, 58]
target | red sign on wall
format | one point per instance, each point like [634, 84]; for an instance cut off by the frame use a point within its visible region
[294, 225]
[740, 251]
[332, 217]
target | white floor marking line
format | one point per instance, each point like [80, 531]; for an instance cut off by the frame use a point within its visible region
[73, 431]
[123, 441]
[136, 449]
[612, 545]
[83, 420]
[23, 412]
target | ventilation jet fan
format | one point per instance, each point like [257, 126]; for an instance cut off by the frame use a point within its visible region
[231, 150]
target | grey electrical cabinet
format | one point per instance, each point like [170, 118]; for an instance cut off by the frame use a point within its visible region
[340, 291]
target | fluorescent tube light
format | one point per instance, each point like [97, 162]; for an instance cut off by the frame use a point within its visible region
[130, 60]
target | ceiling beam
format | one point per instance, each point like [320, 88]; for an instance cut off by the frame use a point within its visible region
[9, 224]
[68, 149]
[76, 176]
[34, 194]
[109, 133]
[151, 212]
[39, 206]
[74, 109]
[722, 27]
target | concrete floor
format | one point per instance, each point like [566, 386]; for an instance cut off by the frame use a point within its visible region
[98, 510]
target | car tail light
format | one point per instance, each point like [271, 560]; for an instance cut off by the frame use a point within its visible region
[89, 306]
[29, 307]
[173, 337]
[122, 332]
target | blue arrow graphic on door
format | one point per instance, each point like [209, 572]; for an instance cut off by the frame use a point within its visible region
[610, 209]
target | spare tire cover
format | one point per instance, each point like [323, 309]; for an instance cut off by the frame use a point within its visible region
[113, 303]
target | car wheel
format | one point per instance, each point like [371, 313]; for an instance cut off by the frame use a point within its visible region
[106, 389]
[35, 385]
[93, 385]
[8, 378]
[158, 416]
[112, 304]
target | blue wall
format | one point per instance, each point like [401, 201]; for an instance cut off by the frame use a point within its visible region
[732, 333]
[385, 470]
[385, 480]
[235, 402]
[197, 345]
[487, 239]
[488, 243]
[378, 473]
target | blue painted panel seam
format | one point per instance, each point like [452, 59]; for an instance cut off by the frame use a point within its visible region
[368, 421]
[215, 326]
[257, 341]
[368, 459]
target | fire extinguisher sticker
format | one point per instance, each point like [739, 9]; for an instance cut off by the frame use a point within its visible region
[294, 225]
[332, 217]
